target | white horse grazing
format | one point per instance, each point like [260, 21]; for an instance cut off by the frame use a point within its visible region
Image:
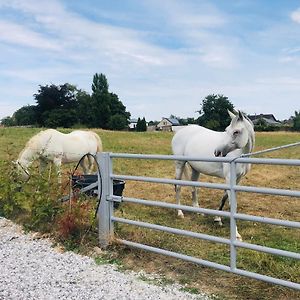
[198, 141]
[59, 148]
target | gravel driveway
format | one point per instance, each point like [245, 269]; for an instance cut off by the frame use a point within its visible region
[32, 269]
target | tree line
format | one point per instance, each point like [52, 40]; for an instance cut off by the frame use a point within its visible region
[66, 106]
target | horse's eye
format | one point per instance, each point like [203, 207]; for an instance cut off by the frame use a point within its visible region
[236, 132]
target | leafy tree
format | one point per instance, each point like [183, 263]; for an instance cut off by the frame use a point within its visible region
[105, 107]
[60, 118]
[84, 110]
[26, 115]
[66, 106]
[141, 125]
[7, 121]
[296, 121]
[48, 98]
[101, 114]
[118, 122]
[118, 108]
[213, 112]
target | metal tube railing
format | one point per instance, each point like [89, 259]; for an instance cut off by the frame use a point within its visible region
[187, 233]
[232, 187]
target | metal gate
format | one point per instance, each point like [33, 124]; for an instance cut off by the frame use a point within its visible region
[107, 219]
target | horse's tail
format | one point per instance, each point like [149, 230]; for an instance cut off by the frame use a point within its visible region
[99, 142]
[187, 170]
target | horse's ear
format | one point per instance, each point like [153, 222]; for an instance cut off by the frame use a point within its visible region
[231, 114]
[241, 116]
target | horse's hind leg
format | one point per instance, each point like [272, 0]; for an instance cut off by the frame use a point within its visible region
[195, 177]
[218, 219]
[90, 163]
[179, 168]
[87, 165]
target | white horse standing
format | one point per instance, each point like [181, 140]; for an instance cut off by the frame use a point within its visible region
[59, 148]
[198, 141]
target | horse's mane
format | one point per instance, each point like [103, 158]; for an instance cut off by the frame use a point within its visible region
[250, 127]
[33, 143]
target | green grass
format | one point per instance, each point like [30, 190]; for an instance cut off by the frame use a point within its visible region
[12, 140]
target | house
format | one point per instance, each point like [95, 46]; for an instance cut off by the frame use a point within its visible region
[269, 119]
[132, 124]
[166, 124]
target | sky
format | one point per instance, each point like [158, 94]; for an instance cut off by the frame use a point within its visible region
[159, 57]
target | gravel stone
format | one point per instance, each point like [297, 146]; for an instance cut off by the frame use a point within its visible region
[32, 269]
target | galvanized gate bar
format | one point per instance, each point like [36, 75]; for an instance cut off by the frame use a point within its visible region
[233, 207]
[176, 255]
[251, 218]
[192, 234]
[267, 161]
[219, 186]
[171, 206]
[206, 263]
[267, 191]
[268, 250]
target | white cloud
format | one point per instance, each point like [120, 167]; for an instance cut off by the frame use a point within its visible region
[295, 15]
[19, 35]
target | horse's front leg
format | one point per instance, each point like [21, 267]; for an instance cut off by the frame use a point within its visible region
[42, 166]
[179, 168]
[57, 164]
[238, 236]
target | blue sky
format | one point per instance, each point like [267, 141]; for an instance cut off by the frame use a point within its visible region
[160, 57]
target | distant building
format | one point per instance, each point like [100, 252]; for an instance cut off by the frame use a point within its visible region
[269, 119]
[166, 124]
[132, 124]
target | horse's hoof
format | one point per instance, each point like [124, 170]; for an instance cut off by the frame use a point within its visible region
[218, 221]
[180, 215]
[239, 237]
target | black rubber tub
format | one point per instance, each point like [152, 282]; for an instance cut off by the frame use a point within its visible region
[82, 181]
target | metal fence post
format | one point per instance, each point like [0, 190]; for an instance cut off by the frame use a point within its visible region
[233, 208]
[106, 207]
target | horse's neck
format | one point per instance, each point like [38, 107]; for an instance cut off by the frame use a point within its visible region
[251, 140]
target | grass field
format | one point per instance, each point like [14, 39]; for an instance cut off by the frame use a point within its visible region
[224, 285]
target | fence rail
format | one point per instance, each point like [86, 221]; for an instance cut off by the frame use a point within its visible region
[107, 218]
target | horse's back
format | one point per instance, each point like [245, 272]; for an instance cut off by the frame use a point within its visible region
[195, 140]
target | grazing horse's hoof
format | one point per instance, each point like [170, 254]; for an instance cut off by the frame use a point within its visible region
[180, 214]
[218, 221]
[239, 237]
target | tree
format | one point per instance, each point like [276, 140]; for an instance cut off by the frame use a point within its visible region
[60, 118]
[117, 108]
[26, 115]
[105, 108]
[296, 121]
[7, 121]
[141, 125]
[213, 112]
[101, 113]
[53, 97]
[118, 122]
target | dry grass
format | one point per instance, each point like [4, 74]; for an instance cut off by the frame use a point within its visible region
[226, 286]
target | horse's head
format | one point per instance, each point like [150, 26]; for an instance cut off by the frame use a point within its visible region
[239, 135]
[22, 170]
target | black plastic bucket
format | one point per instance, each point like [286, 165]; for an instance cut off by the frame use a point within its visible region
[82, 181]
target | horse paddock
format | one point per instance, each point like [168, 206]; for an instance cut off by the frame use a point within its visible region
[224, 285]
